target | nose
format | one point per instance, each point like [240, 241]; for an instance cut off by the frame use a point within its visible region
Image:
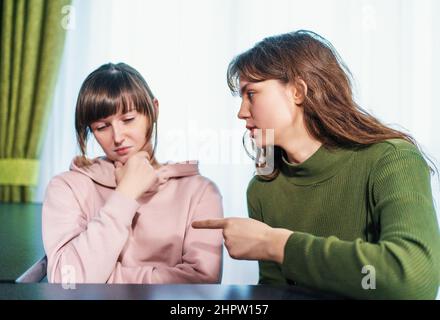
[118, 134]
[244, 112]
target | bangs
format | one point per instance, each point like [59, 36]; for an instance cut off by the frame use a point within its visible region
[110, 95]
[243, 67]
[255, 65]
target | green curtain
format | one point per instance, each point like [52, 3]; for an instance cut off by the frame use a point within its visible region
[31, 46]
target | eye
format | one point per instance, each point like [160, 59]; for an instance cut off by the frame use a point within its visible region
[100, 128]
[250, 95]
[128, 119]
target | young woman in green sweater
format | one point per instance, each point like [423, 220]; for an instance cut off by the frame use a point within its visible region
[348, 207]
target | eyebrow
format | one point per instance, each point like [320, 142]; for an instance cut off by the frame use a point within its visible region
[243, 89]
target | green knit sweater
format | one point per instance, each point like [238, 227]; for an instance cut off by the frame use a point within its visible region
[364, 222]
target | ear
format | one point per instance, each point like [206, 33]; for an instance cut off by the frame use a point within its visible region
[299, 91]
[156, 107]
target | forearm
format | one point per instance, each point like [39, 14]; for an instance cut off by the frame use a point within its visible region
[400, 269]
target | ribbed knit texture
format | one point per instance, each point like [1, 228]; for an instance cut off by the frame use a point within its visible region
[349, 209]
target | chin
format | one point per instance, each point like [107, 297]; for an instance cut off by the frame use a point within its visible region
[123, 159]
[261, 142]
[260, 145]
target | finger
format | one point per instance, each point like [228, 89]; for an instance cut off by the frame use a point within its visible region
[209, 224]
[118, 164]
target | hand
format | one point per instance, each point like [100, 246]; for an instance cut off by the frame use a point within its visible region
[136, 176]
[249, 238]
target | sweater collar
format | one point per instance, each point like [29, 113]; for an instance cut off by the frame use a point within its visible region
[320, 166]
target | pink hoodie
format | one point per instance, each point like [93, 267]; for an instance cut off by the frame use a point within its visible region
[94, 234]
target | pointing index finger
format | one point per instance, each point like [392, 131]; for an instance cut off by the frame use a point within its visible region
[209, 224]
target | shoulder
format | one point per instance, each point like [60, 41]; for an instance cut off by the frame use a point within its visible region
[70, 178]
[397, 158]
[398, 148]
[392, 145]
[199, 184]
[391, 150]
[254, 184]
[69, 184]
[256, 187]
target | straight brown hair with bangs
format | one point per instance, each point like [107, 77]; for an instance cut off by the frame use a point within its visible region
[330, 113]
[110, 89]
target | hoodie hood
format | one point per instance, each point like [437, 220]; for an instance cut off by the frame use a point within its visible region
[102, 171]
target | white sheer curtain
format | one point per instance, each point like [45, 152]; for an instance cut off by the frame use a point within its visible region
[182, 47]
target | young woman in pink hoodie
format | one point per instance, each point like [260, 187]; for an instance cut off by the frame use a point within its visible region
[124, 217]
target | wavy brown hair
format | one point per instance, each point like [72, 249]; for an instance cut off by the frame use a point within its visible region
[110, 89]
[330, 113]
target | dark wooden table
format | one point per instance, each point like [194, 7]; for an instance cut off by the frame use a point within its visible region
[46, 291]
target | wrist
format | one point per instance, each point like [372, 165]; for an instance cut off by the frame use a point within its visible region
[126, 191]
[276, 244]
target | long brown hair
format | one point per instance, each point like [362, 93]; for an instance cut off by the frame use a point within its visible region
[330, 113]
[110, 89]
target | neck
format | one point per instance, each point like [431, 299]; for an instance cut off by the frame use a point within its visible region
[300, 146]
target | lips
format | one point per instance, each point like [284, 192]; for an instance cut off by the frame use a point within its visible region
[252, 130]
[122, 151]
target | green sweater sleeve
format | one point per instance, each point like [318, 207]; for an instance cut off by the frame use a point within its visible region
[406, 256]
[269, 272]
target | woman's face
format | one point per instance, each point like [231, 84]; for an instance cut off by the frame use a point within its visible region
[269, 104]
[121, 135]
